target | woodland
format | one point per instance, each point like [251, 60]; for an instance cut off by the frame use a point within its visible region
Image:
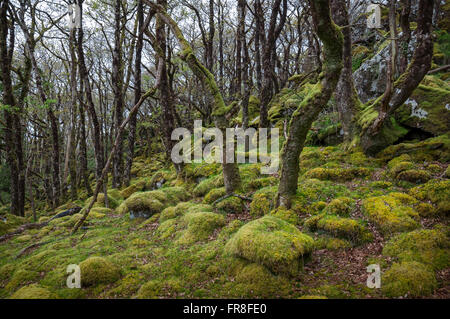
[91, 92]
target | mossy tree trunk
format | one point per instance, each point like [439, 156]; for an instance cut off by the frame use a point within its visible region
[347, 101]
[302, 119]
[378, 132]
[231, 175]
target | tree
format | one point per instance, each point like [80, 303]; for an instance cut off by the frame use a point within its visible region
[314, 102]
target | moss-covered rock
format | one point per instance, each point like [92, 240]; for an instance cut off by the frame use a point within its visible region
[254, 280]
[339, 226]
[392, 213]
[144, 203]
[430, 247]
[414, 176]
[271, 242]
[10, 222]
[21, 277]
[98, 270]
[338, 174]
[33, 292]
[341, 206]
[181, 209]
[230, 205]
[214, 194]
[286, 214]
[262, 201]
[426, 109]
[436, 191]
[100, 202]
[411, 279]
[208, 184]
[432, 149]
[150, 290]
[400, 167]
[199, 226]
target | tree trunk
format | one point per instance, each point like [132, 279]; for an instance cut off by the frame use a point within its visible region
[117, 83]
[268, 61]
[347, 101]
[312, 105]
[231, 175]
[16, 207]
[137, 92]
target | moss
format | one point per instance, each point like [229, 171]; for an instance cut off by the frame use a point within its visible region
[338, 174]
[425, 209]
[262, 201]
[175, 194]
[33, 292]
[167, 229]
[255, 280]
[199, 226]
[143, 202]
[411, 279]
[434, 168]
[286, 214]
[313, 190]
[436, 191]
[341, 206]
[214, 194]
[230, 205]
[430, 247]
[399, 159]
[447, 172]
[426, 109]
[150, 290]
[21, 277]
[432, 149]
[255, 184]
[98, 270]
[100, 202]
[6, 271]
[414, 176]
[271, 242]
[12, 221]
[310, 297]
[127, 192]
[339, 226]
[208, 184]
[400, 167]
[391, 213]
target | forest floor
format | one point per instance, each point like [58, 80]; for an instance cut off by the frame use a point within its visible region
[350, 211]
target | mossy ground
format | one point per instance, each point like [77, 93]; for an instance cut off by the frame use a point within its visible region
[197, 245]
